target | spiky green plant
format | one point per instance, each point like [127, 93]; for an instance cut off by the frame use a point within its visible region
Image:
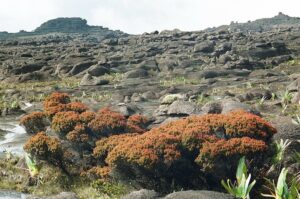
[262, 100]
[280, 148]
[297, 159]
[32, 166]
[242, 187]
[286, 98]
[297, 120]
[281, 190]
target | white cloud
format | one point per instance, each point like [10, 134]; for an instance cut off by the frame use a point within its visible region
[138, 16]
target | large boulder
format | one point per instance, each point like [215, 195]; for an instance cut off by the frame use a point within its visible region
[63, 195]
[205, 47]
[226, 106]
[230, 105]
[88, 80]
[294, 86]
[183, 108]
[142, 194]
[198, 195]
[97, 70]
[80, 67]
[136, 73]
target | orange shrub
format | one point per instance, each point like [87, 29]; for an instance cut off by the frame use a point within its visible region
[226, 148]
[62, 98]
[100, 172]
[34, 122]
[87, 116]
[241, 123]
[137, 119]
[105, 145]
[108, 122]
[43, 146]
[64, 122]
[147, 150]
[76, 107]
[191, 145]
[56, 102]
[78, 135]
[136, 123]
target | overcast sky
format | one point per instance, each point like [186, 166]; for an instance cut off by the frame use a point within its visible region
[138, 16]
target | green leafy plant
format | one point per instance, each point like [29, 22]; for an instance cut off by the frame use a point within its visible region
[297, 159]
[32, 166]
[273, 96]
[242, 187]
[297, 120]
[280, 148]
[108, 188]
[286, 98]
[282, 190]
[262, 101]
[202, 99]
[284, 107]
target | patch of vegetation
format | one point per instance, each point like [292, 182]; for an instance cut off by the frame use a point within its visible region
[11, 104]
[42, 85]
[100, 148]
[203, 99]
[114, 77]
[242, 187]
[178, 81]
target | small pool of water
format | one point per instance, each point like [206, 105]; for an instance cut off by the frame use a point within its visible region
[11, 195]
[13, 136]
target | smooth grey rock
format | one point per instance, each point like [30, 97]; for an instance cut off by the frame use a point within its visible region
[88, 80]
[181, 107]
[97, 70]
[63, 195]
[80, 67]
[211, 108]
[136, 73]
[294, 86]
[141, 194]
[230, 105]
[206, 47]
[198, 195]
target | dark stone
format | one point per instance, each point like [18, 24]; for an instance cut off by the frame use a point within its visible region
[206, 47]
[136, 73]
[80, 67]
[98, 70]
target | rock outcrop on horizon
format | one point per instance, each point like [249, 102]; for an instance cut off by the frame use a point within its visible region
[65, 26]
[265, 24]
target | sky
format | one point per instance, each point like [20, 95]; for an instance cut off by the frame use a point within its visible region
[139, 16]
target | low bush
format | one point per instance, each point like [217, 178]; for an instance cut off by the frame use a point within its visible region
[76, 107]
[108, 122]
[44, 147]
[34, 122]
[106, 145]
[78, 135]
[211, 144]
[137, 123]
[64, 122]
[56, 102]
[87, 116]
